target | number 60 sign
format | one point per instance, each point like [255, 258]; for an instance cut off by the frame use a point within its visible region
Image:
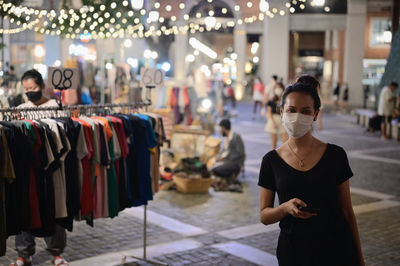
[151, 77]
[62, 78]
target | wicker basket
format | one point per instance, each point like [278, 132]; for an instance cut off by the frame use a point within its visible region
[189, 185]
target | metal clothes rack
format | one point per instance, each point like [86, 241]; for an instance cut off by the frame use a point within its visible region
[141, 104]
[144, 258]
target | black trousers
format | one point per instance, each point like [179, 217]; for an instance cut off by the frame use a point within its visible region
[227, 169]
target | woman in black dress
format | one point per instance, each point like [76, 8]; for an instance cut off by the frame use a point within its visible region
[305, 172]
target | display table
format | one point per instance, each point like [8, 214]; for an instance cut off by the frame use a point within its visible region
[188, 142]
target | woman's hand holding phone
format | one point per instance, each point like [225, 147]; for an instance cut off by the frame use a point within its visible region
[292, 207]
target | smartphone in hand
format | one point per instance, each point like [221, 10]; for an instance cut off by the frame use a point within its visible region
[308, 209]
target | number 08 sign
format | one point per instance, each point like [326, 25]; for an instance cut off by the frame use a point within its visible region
[151, 77]
[62, 78]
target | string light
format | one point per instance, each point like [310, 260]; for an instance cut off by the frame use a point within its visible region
[24, 27]
[78, 19]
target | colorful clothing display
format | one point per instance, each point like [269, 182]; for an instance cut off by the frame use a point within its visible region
[183, 103]
[56, 170]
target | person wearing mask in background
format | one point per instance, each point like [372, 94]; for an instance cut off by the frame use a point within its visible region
[33, 85]
[258, 92]
[269, 90]
[386, 107]
[313, 82]
[274, 123]
[231, 158]
[311, 178]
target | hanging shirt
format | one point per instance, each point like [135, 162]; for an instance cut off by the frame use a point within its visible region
[7, 174]
[44, 181]
[105, 138]
[72, 130]
[35, 221]
[58, 178]
[145, 143]
[17, 193]
[111, 174]
[120, 165]
[86, 189]
[96, 178]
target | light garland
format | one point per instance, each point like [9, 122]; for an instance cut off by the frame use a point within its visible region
[110, 29]
[25, 26]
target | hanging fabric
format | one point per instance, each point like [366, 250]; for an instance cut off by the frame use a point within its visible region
[82, 162]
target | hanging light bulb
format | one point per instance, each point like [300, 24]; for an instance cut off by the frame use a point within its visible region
[319, 2]
[154, 15]
[387, 36]
[127, 43]
[264, 6]
[137, 4]
[210, 22]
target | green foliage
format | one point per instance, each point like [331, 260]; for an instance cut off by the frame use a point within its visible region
[12, 16]
[162, 43]
[392, 69]
[118, 18]
[3, 12]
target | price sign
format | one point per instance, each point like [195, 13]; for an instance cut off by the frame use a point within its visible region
[63, 78]
[151, 77]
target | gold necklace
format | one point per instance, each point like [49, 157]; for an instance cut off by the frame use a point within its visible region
[301, 161]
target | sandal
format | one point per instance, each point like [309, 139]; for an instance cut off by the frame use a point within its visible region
[59, 261]
[21, 262]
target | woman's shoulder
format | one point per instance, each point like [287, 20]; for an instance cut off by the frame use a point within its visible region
[271, 155]
[335, 150]
[26, 105]
[334, 147]
[50, 103]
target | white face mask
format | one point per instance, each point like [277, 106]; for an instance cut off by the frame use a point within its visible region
[296, 124]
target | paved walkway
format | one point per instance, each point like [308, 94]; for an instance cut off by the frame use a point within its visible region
[222, 228]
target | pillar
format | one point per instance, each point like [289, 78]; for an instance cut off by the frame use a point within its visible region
[52, 46]
[354, 50]
[6, 51]
[64, 50]
[181, 47]
[275, 48]
[240, 42]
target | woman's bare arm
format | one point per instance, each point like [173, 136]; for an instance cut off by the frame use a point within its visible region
[345, 204]
[270, 215]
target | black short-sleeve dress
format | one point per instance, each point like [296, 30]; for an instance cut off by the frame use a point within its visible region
[324, 239]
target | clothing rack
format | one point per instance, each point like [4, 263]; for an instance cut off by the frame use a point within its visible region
[74, 107]
[144, 258]
[12, 112]
[139, 104]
